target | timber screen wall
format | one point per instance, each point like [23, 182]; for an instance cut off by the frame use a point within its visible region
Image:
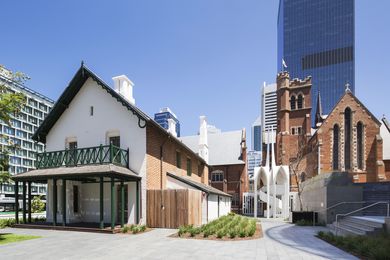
[174, 208]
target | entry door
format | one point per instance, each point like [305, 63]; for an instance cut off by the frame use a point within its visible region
[119, 201]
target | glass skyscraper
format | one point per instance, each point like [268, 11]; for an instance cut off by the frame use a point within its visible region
[317, 38]
[162, 119]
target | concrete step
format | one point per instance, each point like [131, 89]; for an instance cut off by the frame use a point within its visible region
[358, 226]
[348, 231]
[364, 221]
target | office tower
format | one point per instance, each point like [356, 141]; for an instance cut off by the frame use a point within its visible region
[317, 38]
[269, 113]
[256, 135]
[19, 133]
[162, 119]
[253, 160]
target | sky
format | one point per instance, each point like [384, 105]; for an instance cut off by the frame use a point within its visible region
[198, 57]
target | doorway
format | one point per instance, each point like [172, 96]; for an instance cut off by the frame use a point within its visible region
[119, 204]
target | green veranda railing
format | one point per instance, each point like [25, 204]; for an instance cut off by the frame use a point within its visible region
[102, 154]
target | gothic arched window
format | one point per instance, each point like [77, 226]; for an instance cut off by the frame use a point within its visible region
[300, 101]
[293, 103]
[347, 137]
[336, 138]
[360, 156]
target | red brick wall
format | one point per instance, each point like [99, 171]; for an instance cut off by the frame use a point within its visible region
[156, 172]
[235, 181]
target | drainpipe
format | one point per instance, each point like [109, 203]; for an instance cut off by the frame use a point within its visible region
[161, 160]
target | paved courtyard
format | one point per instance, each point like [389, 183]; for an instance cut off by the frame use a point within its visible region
[280, 241]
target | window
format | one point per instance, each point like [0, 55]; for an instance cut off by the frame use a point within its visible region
[115, 140]
[189, 167]
[302, 176]
[300, 101]
[217, 176]
[360, 155]
[91, 111]
[293, 130]
[200, 169]
[75, 199]
[293, 103]
[347, 137]
[178, 159]
[335, 156]
[296, 130]
[235, 200]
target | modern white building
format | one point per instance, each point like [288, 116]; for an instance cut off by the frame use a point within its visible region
[19, 133]
[269, 112]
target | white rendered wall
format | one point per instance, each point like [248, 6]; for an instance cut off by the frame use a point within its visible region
[212, 207]
[109, 115]
[89, 202]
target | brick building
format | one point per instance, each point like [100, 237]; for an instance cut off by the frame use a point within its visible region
[227, 163]
[347, 140]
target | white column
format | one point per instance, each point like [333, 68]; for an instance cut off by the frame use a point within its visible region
[268, 193]
[255, 196]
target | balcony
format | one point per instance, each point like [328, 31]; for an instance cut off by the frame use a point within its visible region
[103, 154]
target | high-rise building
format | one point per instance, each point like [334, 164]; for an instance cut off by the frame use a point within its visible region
[162, 119]
[269, 113]
[317, 38]
[256, 135]
[18, 135]
[253, 160]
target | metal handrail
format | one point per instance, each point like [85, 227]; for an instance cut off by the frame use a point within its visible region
[366, 207]
[335, 205]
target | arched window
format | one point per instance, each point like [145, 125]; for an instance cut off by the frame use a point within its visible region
[300, 101]
[360, 156]
[336, 138]
[347, 137]
[302, 176]
[293, 103]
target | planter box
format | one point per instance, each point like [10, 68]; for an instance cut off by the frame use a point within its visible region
[303, 215]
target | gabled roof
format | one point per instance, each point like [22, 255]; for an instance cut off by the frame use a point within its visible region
[77, 82]
[71, 91]
[224, 148]
[348, 92]
[200, 186]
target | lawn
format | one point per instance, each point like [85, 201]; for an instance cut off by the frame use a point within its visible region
[229, 227]
[365, 247]
[10, 238]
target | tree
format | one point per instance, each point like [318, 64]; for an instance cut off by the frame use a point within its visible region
[295, 167]
[10, 106]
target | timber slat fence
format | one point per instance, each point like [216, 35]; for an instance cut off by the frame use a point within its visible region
[174, 208]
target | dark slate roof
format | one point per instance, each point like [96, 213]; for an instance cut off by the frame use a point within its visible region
[200, 186]
[79, 171]
[71, 91]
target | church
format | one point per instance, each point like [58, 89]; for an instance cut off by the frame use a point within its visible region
[346, 140]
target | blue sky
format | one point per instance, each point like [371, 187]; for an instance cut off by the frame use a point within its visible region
[199, 57]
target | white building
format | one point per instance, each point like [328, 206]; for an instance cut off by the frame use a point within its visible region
[103, 154]
[19, 134]
[269, 112]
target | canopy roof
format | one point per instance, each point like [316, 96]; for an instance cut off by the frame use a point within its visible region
[200, 186]
[103, 170]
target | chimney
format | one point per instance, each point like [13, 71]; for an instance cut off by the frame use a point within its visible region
[172, 127]
[124, 86]
[203, 143]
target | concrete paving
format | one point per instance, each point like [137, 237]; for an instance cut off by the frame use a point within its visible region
[280, 241]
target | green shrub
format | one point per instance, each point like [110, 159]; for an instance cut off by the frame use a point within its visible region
[142, 228]
[242, 233]
[125, 229]
[232, 233]
[135, 229]
[37, 205]
[7, 222]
